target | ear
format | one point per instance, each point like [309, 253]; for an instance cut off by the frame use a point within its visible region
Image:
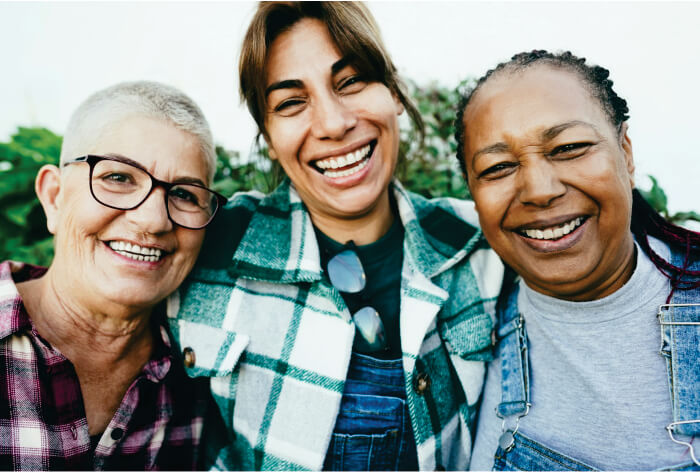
[47, 187]
[271, 152]
[626, 146]
[399, 106]
[270, 148]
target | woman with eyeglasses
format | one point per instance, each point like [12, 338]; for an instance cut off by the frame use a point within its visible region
[344, 321]
[89, 380]
[598, 364]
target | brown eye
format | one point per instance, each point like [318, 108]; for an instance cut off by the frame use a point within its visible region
[570, 150]
[352, 84]
[289, 107]
[497, 171]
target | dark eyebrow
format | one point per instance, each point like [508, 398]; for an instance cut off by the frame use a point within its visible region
[341, 64]
[283, 84]
[178, 180]
[554, 131]
[337, 66]
[492, 149]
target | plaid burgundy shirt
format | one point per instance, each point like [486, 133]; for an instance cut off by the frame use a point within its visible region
[42, 418]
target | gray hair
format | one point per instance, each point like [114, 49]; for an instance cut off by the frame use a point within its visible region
[141, 98]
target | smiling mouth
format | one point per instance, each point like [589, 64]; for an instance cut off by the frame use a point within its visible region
[345, 165]
[553, 233]
[136, 252]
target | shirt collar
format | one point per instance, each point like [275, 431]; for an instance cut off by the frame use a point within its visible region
[13, 316]
[280, 244]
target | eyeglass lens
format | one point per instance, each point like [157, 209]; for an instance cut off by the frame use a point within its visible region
[346, 273]
[123, 186]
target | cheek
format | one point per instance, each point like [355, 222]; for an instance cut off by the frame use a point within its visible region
[189, 244]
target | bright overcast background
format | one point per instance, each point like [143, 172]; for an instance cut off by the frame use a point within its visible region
[55, 54]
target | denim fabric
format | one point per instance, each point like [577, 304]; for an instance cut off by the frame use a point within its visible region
[530, 455]
[373, 429]
[680, 336]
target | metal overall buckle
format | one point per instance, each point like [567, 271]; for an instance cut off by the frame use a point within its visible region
[689, 445]
[507, 439]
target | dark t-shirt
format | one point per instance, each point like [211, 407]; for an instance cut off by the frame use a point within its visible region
[382, 262]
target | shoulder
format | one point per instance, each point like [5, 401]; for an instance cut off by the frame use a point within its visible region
[463, 211]
[224, 235]
[451, 223]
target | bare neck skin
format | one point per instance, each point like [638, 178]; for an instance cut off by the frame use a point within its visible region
[363, 229]
[107, 346]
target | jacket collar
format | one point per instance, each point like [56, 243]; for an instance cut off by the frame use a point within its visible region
[280, 245]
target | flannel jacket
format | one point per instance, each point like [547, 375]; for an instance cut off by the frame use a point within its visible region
[158, 424]
[264, 323]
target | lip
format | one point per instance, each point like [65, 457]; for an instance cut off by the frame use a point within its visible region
[133, 262]
[341, 151]
[549, 222]
[354, 179]
[547, 245]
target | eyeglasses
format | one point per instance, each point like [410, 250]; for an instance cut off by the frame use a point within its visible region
[346, 273]
[124, 185]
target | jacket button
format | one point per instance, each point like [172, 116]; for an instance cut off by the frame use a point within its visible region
[188, 357]
[117, 434]
[421, 383]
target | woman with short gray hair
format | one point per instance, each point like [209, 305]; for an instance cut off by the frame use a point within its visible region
[89, 378]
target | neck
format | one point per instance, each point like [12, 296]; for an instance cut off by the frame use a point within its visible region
[98, 335]
[361, 229]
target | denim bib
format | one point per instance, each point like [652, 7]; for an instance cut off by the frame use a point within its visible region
[373, 429]
[679, 323]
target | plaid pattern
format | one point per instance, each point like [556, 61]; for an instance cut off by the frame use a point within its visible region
[42, 418]
[275, 337]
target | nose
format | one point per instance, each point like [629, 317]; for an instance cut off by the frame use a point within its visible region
[539, 183]
[151, 216]
[332, 118]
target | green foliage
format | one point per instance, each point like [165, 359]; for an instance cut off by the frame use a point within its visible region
[430, 168]
[23, 233]
[426, 166]
[657, 199]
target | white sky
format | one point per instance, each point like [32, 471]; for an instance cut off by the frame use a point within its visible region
[55, 54]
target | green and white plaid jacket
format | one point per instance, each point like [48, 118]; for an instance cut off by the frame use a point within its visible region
[275, 337]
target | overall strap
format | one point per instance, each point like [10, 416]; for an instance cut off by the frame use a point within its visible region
[512, 350]
[680, 336]
[680, 332]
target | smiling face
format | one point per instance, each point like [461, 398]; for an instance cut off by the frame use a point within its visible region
[552, 180]
[96, 260]
[335, 133]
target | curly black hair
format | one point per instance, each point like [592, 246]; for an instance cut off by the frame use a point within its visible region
[595, 78]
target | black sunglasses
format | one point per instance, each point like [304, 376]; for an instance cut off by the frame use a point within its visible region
[346, 274]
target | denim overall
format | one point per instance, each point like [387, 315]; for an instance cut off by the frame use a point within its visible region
[373, 430]
[679, 323]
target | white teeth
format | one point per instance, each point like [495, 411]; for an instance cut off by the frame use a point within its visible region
[342, 161]
[136, 252]
[554, 232]
[346, 172]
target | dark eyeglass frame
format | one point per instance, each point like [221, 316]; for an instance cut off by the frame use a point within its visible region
[93, 159]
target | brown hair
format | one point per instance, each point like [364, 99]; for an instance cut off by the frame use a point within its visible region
[353, 30]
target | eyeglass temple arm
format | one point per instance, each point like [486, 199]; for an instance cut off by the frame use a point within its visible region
[77, 159]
